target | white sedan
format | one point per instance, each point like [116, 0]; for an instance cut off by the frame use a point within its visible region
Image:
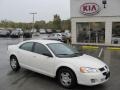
[56, 59]
[56, 36]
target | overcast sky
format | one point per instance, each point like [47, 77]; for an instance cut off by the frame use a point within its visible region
[18, 10]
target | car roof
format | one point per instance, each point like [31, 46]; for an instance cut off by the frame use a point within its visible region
[44, 41]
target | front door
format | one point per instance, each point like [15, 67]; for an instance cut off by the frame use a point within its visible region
[43, 59]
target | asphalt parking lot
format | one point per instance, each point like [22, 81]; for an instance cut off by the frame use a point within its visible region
[28, 80]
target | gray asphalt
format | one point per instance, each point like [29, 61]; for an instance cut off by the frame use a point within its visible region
[28, 80]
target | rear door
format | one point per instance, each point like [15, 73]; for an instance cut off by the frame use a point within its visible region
[25, 54]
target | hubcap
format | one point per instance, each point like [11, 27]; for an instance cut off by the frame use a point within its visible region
[13, 63]
[65, 79]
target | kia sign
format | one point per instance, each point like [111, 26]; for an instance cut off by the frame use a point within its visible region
[90, 9]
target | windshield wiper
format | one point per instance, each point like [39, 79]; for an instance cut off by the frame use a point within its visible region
[63, 54]
[77, 54]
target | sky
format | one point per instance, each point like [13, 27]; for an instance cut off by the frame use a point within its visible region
[19, 10]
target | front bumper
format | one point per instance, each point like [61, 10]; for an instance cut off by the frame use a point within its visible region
[91, 79]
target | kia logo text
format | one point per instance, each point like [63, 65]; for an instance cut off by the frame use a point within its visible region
[90, 9]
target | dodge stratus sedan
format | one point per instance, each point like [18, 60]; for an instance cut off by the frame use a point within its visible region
[58, 60]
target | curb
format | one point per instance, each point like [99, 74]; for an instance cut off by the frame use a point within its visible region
[113, 48]
[90, 47]
[96, 47]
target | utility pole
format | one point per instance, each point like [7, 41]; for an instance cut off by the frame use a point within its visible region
[33, 13]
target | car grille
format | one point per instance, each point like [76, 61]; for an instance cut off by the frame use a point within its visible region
[105, 71]
[102, 69]
[106, 74]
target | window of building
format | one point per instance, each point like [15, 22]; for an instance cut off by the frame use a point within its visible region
[91, 32]
[116, 33]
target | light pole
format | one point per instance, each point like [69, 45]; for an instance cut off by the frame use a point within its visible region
[33, 13]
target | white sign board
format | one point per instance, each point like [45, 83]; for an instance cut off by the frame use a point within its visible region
[89, 9]
[81, 8]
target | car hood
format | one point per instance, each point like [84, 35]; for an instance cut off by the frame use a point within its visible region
[85, 61]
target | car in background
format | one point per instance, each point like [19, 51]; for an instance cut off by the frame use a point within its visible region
[27, 34]
[49, 31]
[20, 31]
[15, 34]
[116, 40]
[60, 61]
[67, 37]
[33, 31]
[56, 36]
[36, 34]
[4, 33]
[42, 31]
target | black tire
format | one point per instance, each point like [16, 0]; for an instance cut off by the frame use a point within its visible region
[71, 78]
[14, 64]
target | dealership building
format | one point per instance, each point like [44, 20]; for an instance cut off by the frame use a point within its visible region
[95, 22]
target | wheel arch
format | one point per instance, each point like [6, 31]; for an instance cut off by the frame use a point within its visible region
[65, 67]
[12, 55]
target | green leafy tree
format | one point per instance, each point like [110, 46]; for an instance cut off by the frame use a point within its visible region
[27, 26]
[66, 25]
[57, 22]
[49, 25]
[40, 24]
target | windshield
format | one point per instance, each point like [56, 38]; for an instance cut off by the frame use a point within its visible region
[63, 50]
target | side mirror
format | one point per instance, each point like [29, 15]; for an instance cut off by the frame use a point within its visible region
[47, 54]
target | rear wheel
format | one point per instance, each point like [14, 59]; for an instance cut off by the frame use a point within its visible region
[66, 78]
[14, 63]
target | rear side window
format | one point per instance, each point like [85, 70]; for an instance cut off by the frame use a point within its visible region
[27, 46]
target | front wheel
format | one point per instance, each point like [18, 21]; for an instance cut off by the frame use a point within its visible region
[14, 63]
[67, 78]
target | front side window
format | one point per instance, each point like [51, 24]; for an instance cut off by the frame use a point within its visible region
[27, 46]
[41, 49]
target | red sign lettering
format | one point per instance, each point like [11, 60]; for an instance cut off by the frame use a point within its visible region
[85, 8]
[89, 9]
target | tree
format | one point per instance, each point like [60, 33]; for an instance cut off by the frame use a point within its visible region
[40, 24]
[57, 22]
[27, 26]
[5, 23]
[66, 25]
[49, 25]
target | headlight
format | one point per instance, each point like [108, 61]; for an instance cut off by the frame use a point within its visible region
[88, 70]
